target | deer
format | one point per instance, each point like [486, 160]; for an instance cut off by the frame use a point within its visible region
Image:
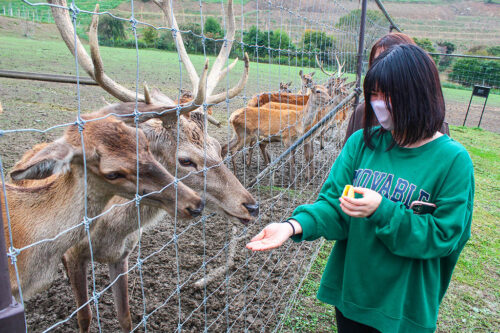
[250, 124]
[284, 101]
[49, 200]
[307, 82]
[285, 87]
[224, 193]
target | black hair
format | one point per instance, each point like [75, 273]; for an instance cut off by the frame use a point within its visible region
[409, 80]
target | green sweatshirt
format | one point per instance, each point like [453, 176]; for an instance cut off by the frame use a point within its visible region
[391, 270]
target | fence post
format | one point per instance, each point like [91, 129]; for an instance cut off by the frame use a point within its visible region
[361, 49]
[11, 312]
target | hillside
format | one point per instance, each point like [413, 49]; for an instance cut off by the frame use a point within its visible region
[465, 23]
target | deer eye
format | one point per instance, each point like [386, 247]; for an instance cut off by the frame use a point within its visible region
[114, 175]
[186, 162]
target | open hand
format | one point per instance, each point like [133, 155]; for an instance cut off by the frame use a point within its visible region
[361, 207]
[271, 237]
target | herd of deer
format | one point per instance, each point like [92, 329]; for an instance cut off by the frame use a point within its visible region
[112, 162]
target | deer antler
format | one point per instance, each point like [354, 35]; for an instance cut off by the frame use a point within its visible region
[217, 73]
[320, 65]
[63, 23]
[150, 110]
[339, 67]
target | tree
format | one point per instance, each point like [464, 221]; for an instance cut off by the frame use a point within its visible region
[448, 48]
[254, 37]
[150, 36]
[190, 34]
[212, 26]
[111, 29]
[353, 19]
[427, 45]
[476, 71]
[212, 31]
[494, 51]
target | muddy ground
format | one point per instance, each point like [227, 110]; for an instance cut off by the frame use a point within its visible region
[255, 292]
[252, 295]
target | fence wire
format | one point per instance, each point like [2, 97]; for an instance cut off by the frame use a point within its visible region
[181, 274]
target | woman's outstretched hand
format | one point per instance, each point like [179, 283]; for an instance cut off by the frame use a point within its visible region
[273, 236]
[361, 207]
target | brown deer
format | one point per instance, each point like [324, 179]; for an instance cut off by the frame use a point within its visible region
[307, 82]
[251, 124]
[285, 87]
[48, 208]
[223, 191]
[282, 101]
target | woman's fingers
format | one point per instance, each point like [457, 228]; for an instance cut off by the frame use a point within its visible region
[265, 244]
[259, 236]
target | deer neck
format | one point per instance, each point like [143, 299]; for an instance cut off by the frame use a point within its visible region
[309, 113]
[49, 210]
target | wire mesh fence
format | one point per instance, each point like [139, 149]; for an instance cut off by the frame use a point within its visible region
[175, 273]
[148, 251]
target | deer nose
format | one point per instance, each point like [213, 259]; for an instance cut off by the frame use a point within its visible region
[194, 212]
[253, 210]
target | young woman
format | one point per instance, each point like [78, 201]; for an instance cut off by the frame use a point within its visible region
[356, 121]
[390, 267]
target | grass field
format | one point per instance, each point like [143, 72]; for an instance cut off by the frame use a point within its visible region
[472, 301]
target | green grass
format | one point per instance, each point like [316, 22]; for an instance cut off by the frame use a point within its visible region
[472, 301]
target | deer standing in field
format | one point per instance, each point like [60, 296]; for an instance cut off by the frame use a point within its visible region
[285, 101]
[250, 124]
[224, 192]
[49, 199]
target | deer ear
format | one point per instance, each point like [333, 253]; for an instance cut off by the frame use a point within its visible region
[312, 74]
[301, 72]
[54, 158]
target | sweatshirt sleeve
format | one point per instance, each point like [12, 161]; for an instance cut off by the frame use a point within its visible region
[324, 218]
[430, 235]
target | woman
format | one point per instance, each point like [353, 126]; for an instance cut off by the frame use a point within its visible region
[390, 267]
[357, 117]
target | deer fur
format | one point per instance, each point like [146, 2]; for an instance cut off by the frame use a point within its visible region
[112, 246]
[250, 124]
[53, 201]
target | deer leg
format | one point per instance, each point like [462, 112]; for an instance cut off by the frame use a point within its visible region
[76, 269]
[250, 153]
[321, 139]
[265, 153]
[292, 166]
[308, 155]
[120, 293]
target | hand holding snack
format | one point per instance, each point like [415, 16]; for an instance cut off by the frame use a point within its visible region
[361, 207]
[348, 191]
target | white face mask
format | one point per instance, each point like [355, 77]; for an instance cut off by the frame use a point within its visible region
[383, 115]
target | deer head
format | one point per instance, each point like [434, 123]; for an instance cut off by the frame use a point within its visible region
[307, 82]
[110, 152]
[285, 87]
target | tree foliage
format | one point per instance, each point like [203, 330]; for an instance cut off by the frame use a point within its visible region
[111, 29]
[267, 43]
[353, 19]
[150, 36]
[469, 71]
[213, 31]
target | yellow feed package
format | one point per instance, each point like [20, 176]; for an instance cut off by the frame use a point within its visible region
[348, 191]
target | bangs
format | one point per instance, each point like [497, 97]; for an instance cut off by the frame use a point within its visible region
[409, 81]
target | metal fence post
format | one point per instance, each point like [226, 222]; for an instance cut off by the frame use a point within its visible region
[11, 312]
[361, 49]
